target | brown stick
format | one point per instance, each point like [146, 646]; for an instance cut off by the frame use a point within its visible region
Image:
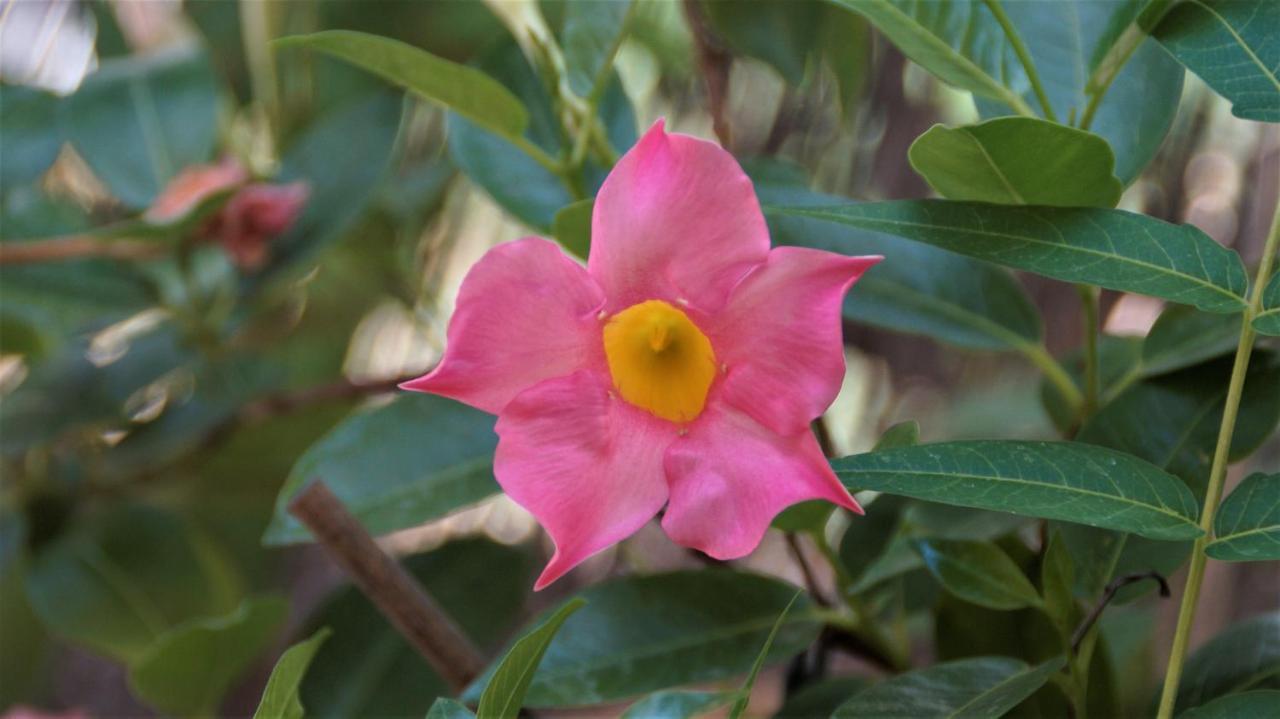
[400, 599]
[76, 247]
[715, 62]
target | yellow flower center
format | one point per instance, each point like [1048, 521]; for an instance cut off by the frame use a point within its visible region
[660, 360]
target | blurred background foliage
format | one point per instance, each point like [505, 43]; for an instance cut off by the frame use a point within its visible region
[157, 397]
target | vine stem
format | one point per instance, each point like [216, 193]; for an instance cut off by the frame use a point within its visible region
[1024, 57]
[1217, 473]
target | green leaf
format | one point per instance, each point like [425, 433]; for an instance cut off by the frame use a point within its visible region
[445, 708]
[280, 698]
[1259, 704]
[341, 184]
[959, 42]
[977, 572]
[1268, 320]
[1231, 46]
[572, 224]
[1018, 161]
[1247, 525]
[944, 521]
[1066, 41]
[1244, 656]
[1111, 248]
[778, 32]
[120, 581]
[31, 137]
[416, 459]
[897, 559]
[676, 704]
[1183, 336]
[1053, 480]
[505, 691]
[465, 90]
[367, 669]
[1171, 421]
[678, 629]
[592, 33]
[807, 516]
[744, 692]
[138, 121]
[902, 434]
[867, 538]
[188, 669]
[981, 687]
[821, 698]
[1057, 585]
[518, 183]
[917, 289]
[60, 300]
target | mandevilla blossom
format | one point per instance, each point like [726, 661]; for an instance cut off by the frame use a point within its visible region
[681, 367]
[253, 215]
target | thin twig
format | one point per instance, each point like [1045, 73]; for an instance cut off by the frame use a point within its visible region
[1116, 585]
[78, 247]
[400, 599]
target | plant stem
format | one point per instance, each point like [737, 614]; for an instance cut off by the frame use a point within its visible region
[413, 612]
[1024, 57]
[1089, 303]
[1054, 372]
[1105, 72]
[863, 625]
[1218, 472]
[77, 247]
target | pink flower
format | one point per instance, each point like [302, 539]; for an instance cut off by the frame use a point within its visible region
[253, 217]
[681, 367]
[194, 185]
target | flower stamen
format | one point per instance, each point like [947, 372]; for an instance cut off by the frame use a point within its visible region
[659, 360]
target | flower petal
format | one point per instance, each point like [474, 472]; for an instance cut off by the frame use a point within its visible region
[585, 463]
[780, 340]
[676, 219]
[730, 476]
[525, 313]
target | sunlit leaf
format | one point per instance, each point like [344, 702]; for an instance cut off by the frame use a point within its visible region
[1018, 161]
[1067, 41]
